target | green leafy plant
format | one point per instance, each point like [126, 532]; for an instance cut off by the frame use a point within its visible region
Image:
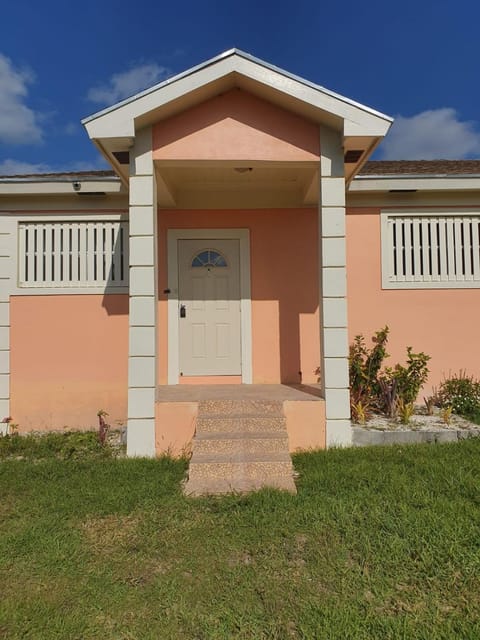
[383, 389]
[411, 377]
[364, 366]
[462, 393]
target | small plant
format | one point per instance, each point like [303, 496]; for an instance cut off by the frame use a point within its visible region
[361, 412]
[446, 414]
[103, 427]
[12, 428]
[411, 378]
[462, 393]
[388, 399]
[405, 411]
[383, 390]
[429, 405]
[364, 367]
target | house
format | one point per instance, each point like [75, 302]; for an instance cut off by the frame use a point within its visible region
[242, 238]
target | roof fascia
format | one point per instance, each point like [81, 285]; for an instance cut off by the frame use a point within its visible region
[51, 186]
[414, 183]
[119, 120]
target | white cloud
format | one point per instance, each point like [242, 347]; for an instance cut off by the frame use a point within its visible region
[18, 123]
[431, 135]
[11, 167]
[71, 128]
[123, 85]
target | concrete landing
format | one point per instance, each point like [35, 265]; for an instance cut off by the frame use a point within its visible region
[240, 445]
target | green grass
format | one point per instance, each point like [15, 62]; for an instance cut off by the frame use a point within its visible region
[379, 543]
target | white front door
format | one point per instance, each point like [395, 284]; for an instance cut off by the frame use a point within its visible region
[209, 307]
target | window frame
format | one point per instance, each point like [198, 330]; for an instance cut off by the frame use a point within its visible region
[63, 217]
[387, 214]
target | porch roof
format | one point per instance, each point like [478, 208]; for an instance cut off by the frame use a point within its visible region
[113, 129]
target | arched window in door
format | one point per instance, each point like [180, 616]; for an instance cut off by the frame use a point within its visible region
[209, 258]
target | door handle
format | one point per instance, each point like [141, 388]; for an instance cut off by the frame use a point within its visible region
[183, 311]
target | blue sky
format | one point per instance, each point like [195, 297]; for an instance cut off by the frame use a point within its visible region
[61, 61]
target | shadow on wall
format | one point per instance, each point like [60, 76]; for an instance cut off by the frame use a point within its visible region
[284, 285]
[117, 279]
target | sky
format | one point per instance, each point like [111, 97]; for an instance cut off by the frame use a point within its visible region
[415, 60]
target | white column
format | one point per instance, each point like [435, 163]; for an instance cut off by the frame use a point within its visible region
[333, 289]
[8, 255]
[142, 356]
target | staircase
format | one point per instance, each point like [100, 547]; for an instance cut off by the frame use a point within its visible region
[239, 446]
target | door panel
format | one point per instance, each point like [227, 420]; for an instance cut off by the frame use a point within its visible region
[209, 288]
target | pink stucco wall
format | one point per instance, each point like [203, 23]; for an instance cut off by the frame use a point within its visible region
[236, 126]
[284, 287]
[441, 322]
[69, 358]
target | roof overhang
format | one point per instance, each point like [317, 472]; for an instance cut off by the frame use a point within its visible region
[76, 185]
[113, 130]
[405, 183]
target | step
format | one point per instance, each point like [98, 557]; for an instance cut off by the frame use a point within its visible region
[239, 446]
[239, 423]
[234, 407]
[221, 444]
[215, 486]
[238, 472]
[236, 467]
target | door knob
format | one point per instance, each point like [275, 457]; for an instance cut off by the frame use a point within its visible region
[183, 311]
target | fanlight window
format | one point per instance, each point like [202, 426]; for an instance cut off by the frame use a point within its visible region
[209, 258]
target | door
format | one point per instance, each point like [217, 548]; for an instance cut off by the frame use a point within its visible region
[209, 307]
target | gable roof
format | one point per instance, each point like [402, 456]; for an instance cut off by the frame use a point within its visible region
[113, 129]
[239, 54]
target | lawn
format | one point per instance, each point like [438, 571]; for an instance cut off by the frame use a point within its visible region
[378, 543]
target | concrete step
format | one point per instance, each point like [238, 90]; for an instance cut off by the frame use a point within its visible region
[239, 446]
[240, 443]
[239, 423]
[234, 407]
[215, 473]
[215, 486]
[254, 458]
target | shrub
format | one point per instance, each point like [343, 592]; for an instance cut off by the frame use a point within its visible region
[462, 393]
[411, 378]
[387, 390]
[364, 366]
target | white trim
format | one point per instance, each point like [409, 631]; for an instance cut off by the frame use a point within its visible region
[417, 183]
[118, 122]
[429, 281]
[243, 235]
[236, 53]
[39, 186]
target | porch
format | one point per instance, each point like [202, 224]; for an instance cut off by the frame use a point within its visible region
[236, 174]
[178, 406]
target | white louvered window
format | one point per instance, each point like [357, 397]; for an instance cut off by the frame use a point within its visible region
[83, 254]
[440, 250]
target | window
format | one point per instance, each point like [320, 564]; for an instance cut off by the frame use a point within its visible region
[430, 250]
[209, 258]
[73, 254]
